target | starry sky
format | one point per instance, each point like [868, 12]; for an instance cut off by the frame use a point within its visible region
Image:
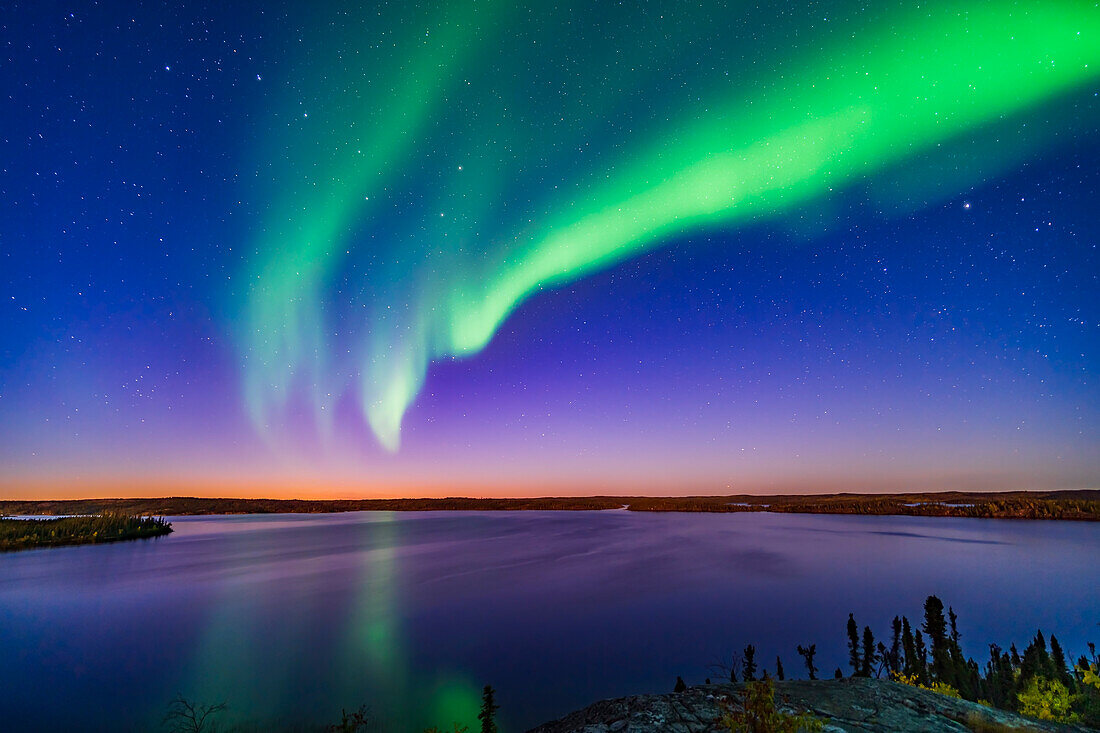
[496, 248]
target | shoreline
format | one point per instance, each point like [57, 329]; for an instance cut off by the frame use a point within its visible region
[18, 534]
[1074, 505]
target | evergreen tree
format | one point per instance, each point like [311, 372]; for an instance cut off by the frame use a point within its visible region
[894, 655]
[1008, 681]
[935, 628]
[1036, 661]
[488, 710]
[999, 683]
[909, 649]
[961, 675]
[973, 680]
[1058, 661]
[992, 671]
[680, 686]
[838, 674]
[853, 645]
[807, 654]
[921, 655]
[868, 661]
[779, 669]
[748, 666]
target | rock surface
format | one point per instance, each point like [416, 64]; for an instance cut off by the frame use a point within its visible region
[854, 705]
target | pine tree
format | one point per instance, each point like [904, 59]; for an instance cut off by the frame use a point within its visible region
[1058, 662]
[868, 661]
[921, 655]
[909, 648]
[779, 669]
[748, 666]
[680, 686]
[488, 711]
[1036, 661]
[936, 630]
[853, 645]
[992, 672]
[894, 658]
[960, 668]
[807, 654]
[954, 622]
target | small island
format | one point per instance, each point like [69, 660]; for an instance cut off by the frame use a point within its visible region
[31, 533]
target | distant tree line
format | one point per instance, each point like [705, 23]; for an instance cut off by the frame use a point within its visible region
[1077, 505]
[1072, 505]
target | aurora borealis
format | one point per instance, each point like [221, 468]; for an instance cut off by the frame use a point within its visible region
[554, 247]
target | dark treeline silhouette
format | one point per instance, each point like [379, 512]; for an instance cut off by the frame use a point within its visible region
[1075, 505]
[1040, 682]
[26, 534]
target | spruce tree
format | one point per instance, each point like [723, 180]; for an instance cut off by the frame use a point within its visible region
[894, 659]
[921, 656]
[909, 649]
[1058, 662]
[954, 622]
[853, 645]
[935, 628]
[1036, 661]
[991, 684]
[488, 711]
[868, 662]
[748, 666]
[960, 669]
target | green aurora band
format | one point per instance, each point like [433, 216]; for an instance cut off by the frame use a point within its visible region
[428, 265]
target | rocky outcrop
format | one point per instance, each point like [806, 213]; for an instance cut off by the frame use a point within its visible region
[854, 705]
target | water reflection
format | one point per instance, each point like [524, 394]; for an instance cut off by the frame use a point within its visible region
[292, 618]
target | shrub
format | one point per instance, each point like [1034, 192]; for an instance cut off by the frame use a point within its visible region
[1046, 700]
[941, 688]
[758, 714]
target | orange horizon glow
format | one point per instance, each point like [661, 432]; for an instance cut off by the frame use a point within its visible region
[61, 489]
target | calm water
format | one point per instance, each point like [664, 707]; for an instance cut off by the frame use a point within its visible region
[295, 616]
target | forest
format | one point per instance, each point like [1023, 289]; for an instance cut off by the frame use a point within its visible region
[26, 534]
[1079, 505]
[1040, 682]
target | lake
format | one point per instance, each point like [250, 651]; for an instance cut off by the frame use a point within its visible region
[290, 618]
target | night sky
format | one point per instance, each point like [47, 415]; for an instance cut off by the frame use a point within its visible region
[357, 249]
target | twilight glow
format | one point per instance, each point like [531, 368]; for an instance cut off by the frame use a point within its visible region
[500, 248]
